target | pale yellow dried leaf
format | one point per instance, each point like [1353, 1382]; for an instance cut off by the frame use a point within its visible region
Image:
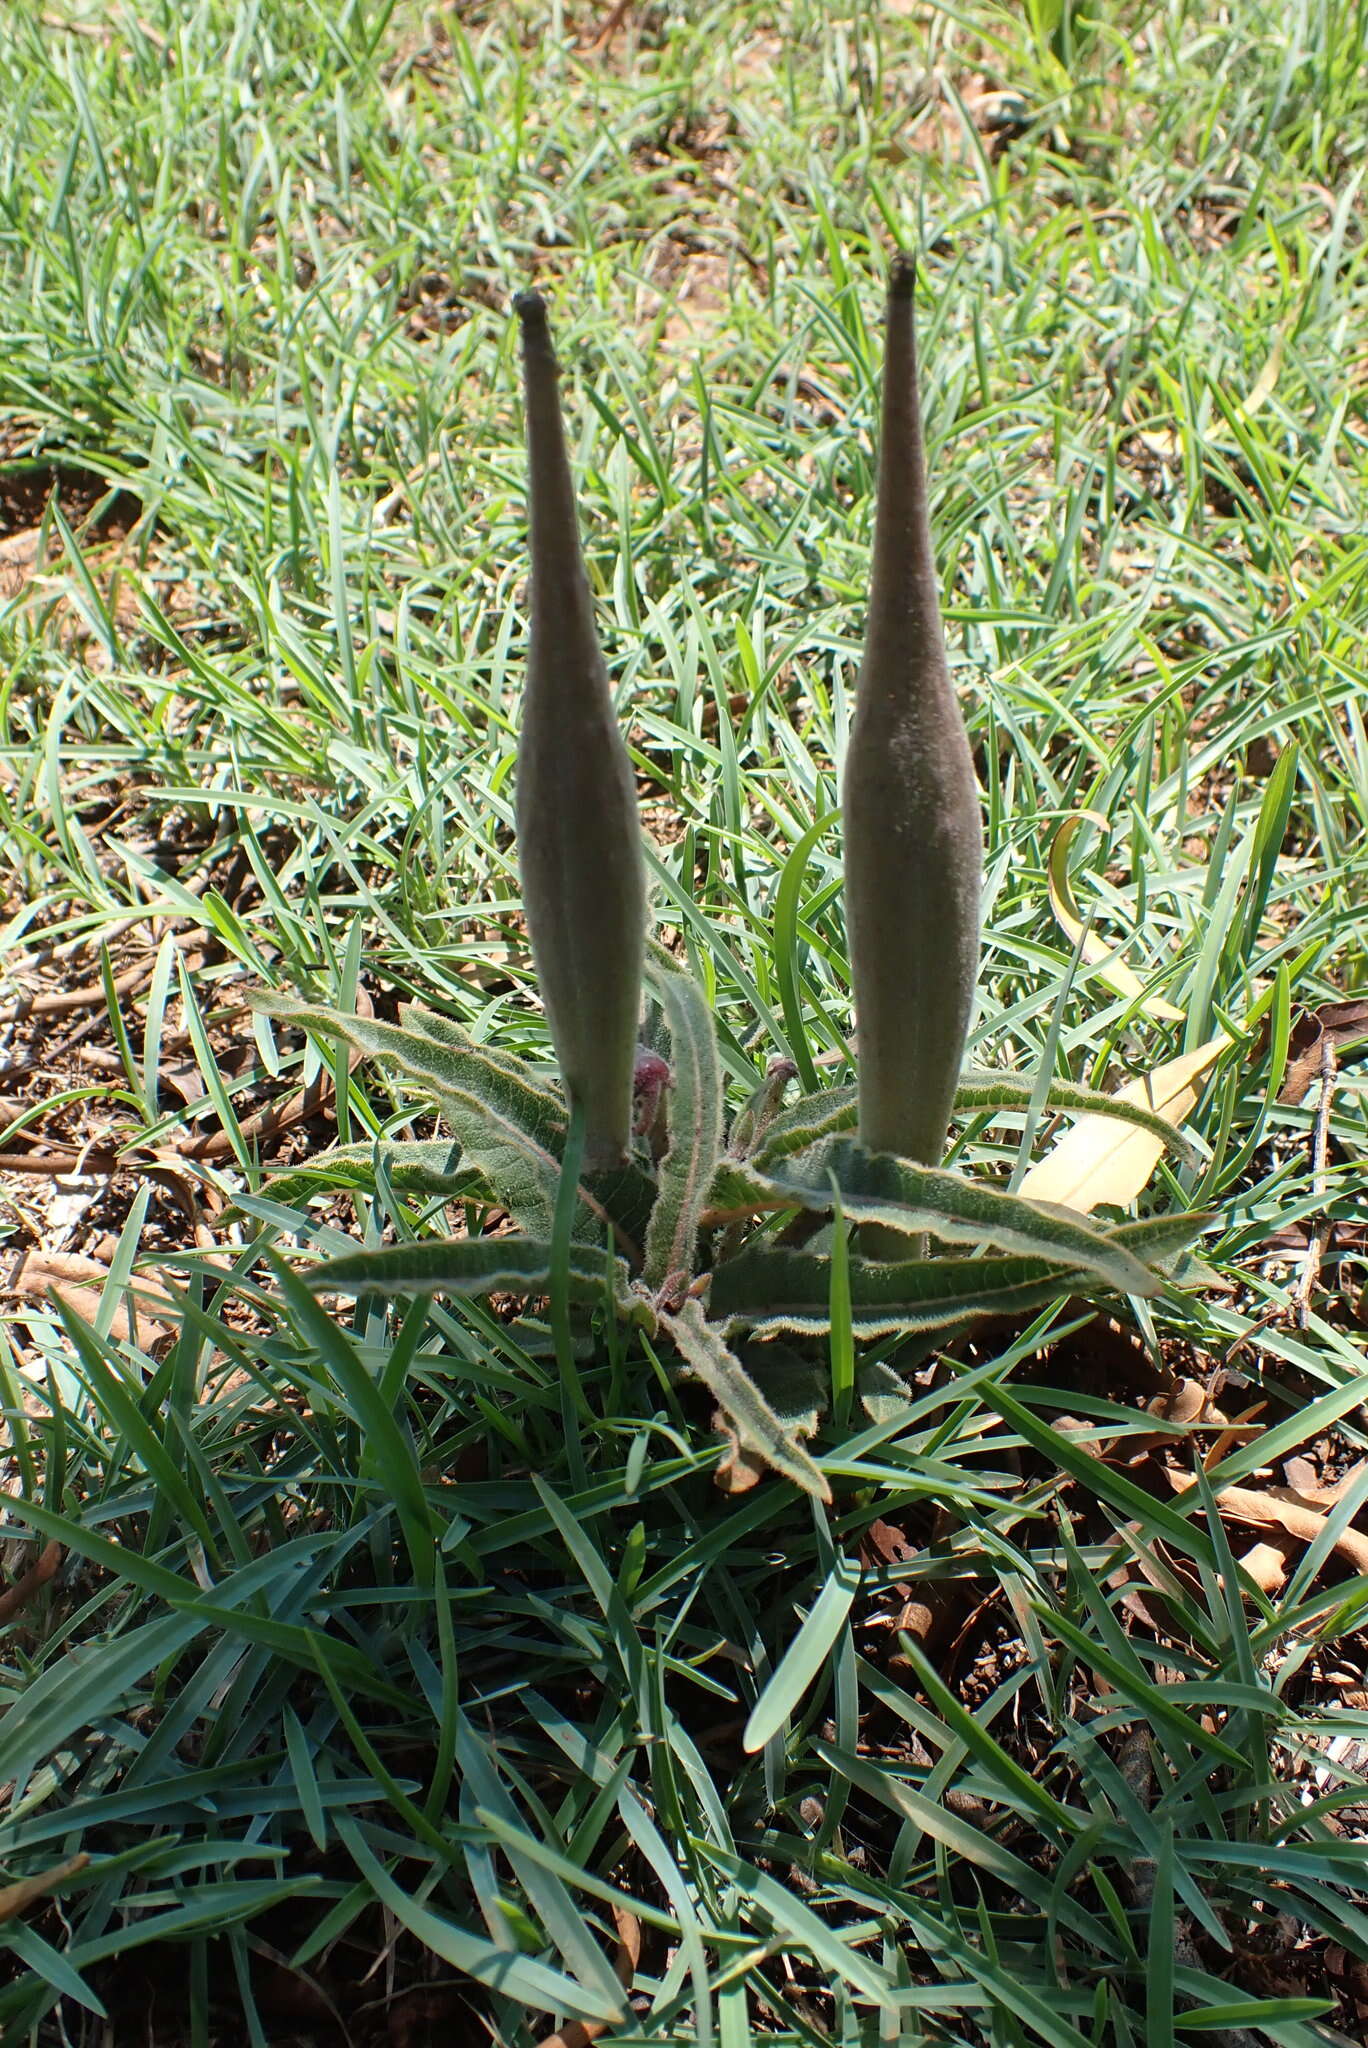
[1111, 968]
[1100, 1160]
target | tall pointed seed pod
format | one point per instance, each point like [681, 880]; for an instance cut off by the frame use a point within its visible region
[579, 837]
[913, 834]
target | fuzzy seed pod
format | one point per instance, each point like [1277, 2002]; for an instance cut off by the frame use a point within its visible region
[579, 836]
[913, 832]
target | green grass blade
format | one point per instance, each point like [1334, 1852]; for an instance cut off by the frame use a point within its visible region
[802, 1660]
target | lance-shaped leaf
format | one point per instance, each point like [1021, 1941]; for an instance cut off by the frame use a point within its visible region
[448, 1059]
[624, 1193]
[413, 1166]
[756, 1115]
[978, 1090]
[913, 834]
[988, 1090]
[508, 1126]
[735, 1191]
[800, 1125]
[757, 1426]
[579, 837]
[686, 1172]
[909, 1200]
[770, 1289]
[471, 1266]
[446, 1031]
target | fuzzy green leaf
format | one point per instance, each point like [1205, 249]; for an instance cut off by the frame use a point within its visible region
[768, 1289]
[467, 1265]
[795, 1388]
[832, 1110]
[803, 1123]
[884, 1393]
[625, 1193]
[983, 1089]
[418, 1166]
[759, 1110]
[686, 1171]
[439, 1055]
[508, 1125]
[735, 1190]
[757, 1426]
[878, 1187]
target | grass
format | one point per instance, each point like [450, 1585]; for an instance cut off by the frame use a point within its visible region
[384, 1689]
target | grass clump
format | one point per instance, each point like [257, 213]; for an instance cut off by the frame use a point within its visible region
[333, 1635]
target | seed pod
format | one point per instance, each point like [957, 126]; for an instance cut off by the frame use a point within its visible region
[579, 836]
[913, 833]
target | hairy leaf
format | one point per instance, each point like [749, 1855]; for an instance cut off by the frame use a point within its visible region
[984, 1089]
[735, 1190]
[768, 1289]
[468, 1265]
[759, 1110]
[804, 1122]
[772, 1288]
[445, 1031]
[757, 1426]
[416, 1166]
[509, 1126]
[832, 1110]
[878, 1187]
[686, 1171]
[436, 1052]
[625, 1192]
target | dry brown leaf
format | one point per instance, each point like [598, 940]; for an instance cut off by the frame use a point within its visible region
[14, 1898]
[580, 2033]
[736, 1470]
[1339, 1023]
[79, 1283]
[1188, 1403]
[1103, 1160]
[1243, 1430]
[1266, 1511]
[1306, 1490]
[882, 1541]
[18, 560]
[928, 1608]
[1266, 1564]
